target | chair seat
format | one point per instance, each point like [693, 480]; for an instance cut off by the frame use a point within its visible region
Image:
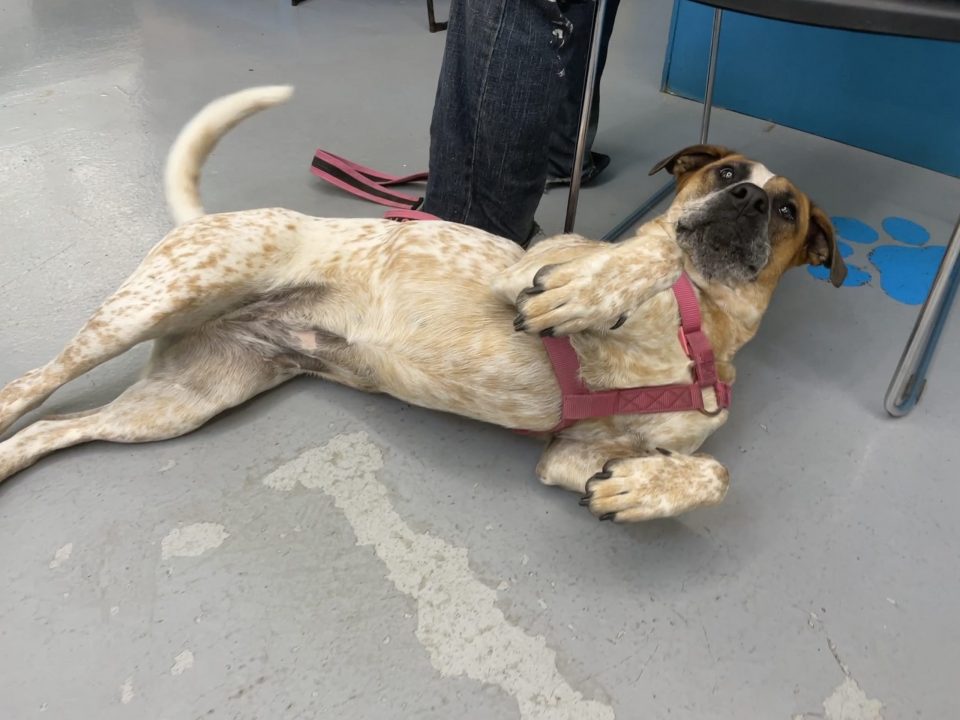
[930, 19]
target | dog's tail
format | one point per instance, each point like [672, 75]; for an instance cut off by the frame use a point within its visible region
[198, 138]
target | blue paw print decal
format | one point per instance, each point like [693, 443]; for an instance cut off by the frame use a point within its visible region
[906, 270]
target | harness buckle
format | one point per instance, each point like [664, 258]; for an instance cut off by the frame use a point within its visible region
[699, 400]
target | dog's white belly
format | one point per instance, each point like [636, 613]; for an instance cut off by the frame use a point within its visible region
[421, 354]
[413, 303]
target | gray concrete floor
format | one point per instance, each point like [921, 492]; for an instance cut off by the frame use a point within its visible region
[324, 554]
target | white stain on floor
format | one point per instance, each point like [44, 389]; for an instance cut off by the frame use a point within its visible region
[126, 691]
[458, 621]
[182, 663]
[848, 701]
[61, 556]
[192, 540]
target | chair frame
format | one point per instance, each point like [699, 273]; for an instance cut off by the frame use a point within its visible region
[432, 19]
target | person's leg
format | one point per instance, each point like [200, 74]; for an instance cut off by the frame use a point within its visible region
[575, 54]
[496, 105]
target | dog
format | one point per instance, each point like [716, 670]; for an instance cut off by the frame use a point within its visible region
[443, 316]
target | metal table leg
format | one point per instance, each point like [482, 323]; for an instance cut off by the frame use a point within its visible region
[910, 377]
[654, 200]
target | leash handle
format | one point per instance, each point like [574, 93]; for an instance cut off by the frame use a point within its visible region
[364, 182]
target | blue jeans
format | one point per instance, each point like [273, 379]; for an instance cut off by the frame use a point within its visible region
[507, 108]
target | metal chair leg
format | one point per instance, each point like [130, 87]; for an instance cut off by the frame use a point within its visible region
[910, 377]
[589, 84]
[432, 19]
[711, 75]
[654, 200]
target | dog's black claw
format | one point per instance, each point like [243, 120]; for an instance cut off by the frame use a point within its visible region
[535, 290]
[519, 323]
[595, 479]
[608, 467]
[663, 451]
[540, 274]
[620, 321]
[585, 500]
[602, 475]
[608, 516]
[547, 332]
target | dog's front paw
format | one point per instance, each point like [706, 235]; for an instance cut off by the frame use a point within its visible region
[660, 485]
[569, 298]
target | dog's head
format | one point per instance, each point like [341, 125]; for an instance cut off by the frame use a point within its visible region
[740, 224]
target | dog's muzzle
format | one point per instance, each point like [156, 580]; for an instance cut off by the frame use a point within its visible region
[727, 236]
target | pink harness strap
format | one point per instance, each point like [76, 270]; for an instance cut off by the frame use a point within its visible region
[579, 403]
[404, 215]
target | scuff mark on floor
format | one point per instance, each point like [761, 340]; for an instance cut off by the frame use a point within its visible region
[61, 556]
[182, 663]
[192, 540]
[458, 621]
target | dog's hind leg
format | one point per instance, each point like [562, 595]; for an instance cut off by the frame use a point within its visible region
[190, 379]
[198, 272]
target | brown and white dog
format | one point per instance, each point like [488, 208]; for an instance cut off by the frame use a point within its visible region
[240, 302]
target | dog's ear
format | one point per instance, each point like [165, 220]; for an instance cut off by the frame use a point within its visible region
[821, 246]
[690, 159]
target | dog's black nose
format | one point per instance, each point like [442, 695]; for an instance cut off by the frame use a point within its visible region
[749, 199]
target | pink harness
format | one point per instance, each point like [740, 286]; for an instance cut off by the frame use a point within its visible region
[579, 403]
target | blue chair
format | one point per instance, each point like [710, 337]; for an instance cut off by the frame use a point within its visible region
[929, 19]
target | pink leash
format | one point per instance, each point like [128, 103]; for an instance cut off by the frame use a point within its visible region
[579, 403]
[365, 182]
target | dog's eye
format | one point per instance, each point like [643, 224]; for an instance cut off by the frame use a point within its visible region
[787, 211]
[726, 173]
